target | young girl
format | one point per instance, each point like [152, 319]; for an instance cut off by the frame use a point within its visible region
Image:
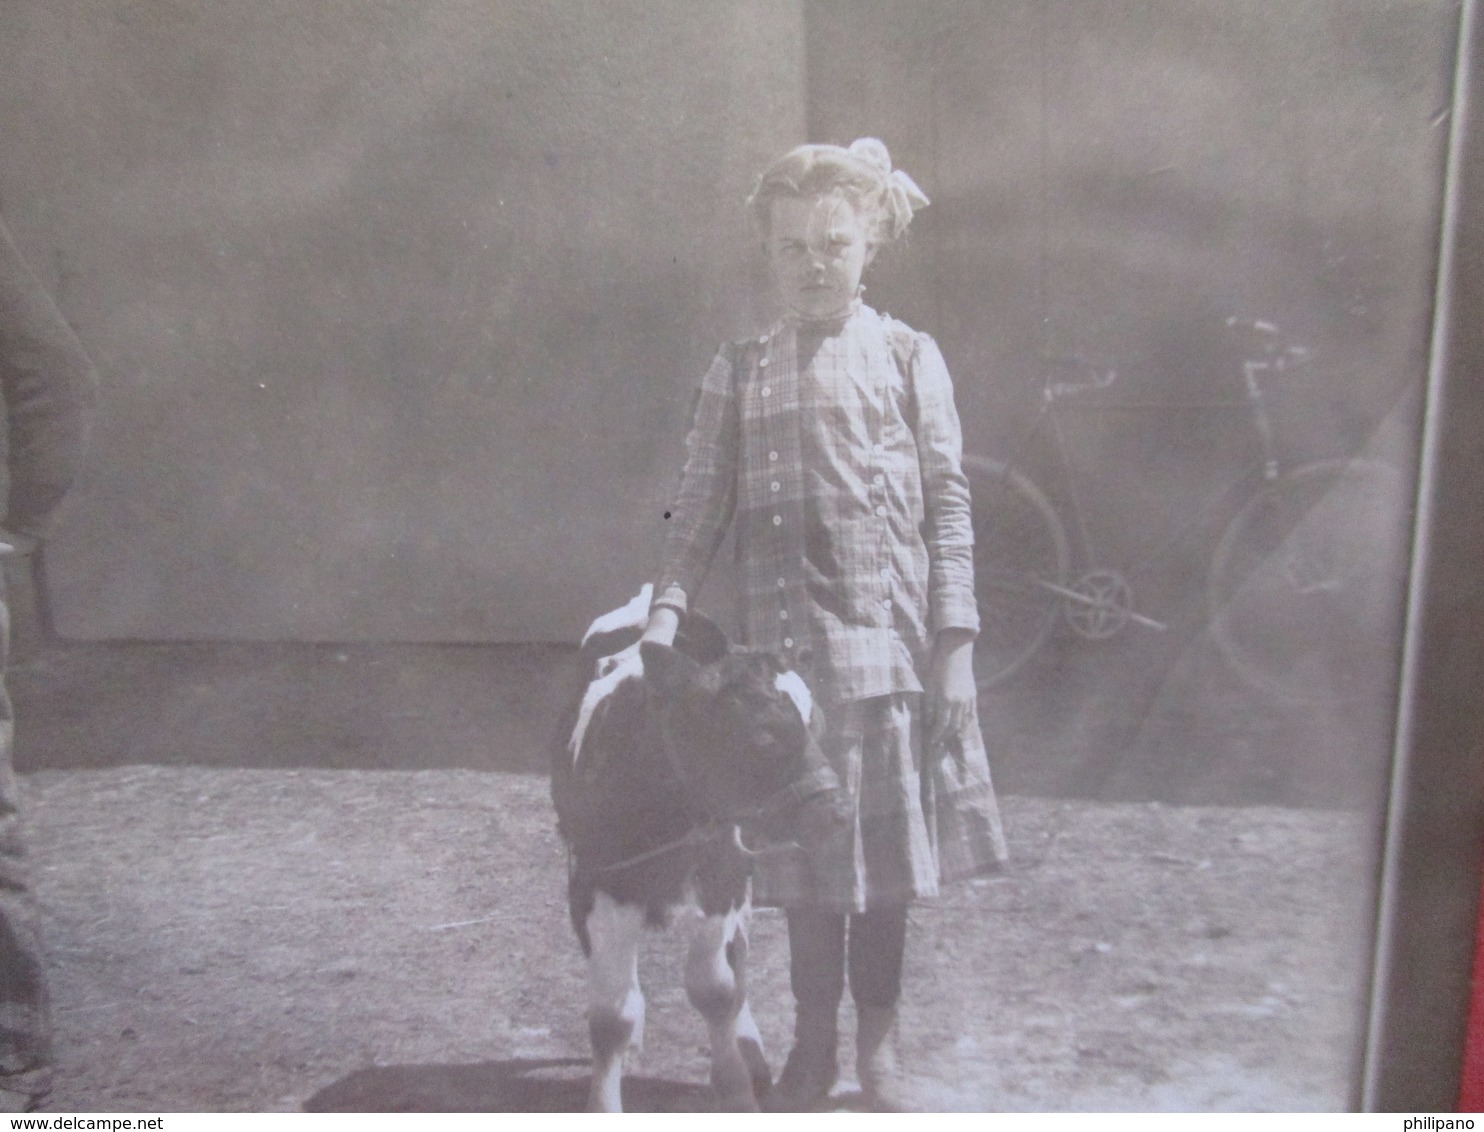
[832, 441]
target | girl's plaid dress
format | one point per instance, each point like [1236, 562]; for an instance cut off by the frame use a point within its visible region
[836, 450]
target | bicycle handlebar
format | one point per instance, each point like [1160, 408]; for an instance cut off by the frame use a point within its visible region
[1273, 350]
[1270, 353]
[1259, 326]
[1095, 375]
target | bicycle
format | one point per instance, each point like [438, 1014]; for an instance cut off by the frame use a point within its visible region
[1304, 583]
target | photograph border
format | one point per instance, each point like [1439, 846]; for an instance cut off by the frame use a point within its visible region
[1430, 877]
[1425, 830]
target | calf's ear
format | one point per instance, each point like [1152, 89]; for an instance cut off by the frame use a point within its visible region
[667, 670]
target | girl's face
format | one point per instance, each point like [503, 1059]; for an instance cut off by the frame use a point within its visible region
[818, 250]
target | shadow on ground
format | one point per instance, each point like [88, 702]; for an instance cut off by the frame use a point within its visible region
[521, 1084]
[518, 1085]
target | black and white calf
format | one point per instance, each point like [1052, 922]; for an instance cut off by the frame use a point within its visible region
[665, 755]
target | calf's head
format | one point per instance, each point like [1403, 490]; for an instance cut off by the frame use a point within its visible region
[738, 732]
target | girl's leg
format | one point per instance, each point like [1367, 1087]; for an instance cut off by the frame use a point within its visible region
[816, 956]
[878, 940]
[816, 972]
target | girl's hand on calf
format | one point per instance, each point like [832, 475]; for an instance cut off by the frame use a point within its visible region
[663, 624]
[952, 695]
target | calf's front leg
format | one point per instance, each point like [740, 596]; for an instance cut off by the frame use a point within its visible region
[716, 984]
[615, 1013]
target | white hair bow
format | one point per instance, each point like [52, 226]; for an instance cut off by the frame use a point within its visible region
[906, 196]
[906, 187]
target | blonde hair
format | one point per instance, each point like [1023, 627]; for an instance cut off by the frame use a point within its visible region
[861, 173]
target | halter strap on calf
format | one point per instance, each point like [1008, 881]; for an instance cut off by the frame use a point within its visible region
[693, 837]
[796, 793]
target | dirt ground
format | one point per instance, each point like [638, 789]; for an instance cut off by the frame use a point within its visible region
[335, 940]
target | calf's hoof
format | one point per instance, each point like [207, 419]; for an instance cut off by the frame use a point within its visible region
[757, 1066]
[734, 1079]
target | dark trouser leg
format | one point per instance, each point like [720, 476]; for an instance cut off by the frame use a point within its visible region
[25, 1023]
[816, 973]
[816, 956]
[878, 940]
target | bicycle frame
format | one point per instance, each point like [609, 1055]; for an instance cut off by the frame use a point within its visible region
[1298, 585]
[1086, 553]
[1272, 356]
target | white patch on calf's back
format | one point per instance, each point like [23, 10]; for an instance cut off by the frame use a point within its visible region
[631, 616]
[792, 685]
[627, 665]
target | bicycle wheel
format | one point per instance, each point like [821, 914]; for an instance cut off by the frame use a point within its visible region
[1018, 543]
[1306, 585]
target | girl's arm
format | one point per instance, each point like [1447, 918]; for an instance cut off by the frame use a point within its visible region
[949, 526]
[949, 531]
[704, 504]
[952, 696]
[664, 623]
